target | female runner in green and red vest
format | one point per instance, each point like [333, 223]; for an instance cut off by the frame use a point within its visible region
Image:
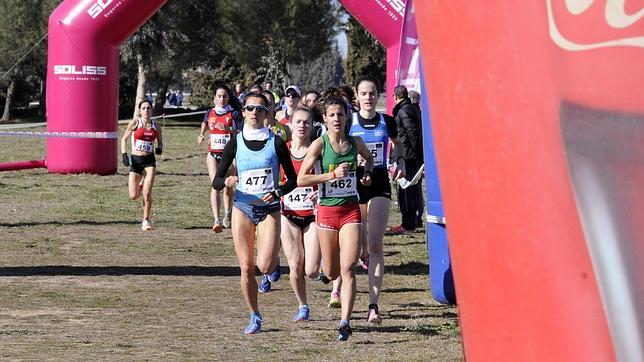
[339, 221]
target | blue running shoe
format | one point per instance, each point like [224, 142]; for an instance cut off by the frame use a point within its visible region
[255, 324]
[276, 274]
[265, 285]
[345, 331]
[302, 314]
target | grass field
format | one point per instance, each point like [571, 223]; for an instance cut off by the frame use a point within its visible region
[79, 280]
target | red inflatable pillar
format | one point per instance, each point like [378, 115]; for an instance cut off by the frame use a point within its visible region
[384, 20]
[83, 78]
[538, 119]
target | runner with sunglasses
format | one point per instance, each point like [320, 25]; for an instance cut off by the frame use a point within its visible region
[258, 155]
[338, 214]
[222, 122]
[292, 96]
[377, 130]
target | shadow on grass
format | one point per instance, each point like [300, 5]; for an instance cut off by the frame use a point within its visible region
[64, 223]
[403, 290]
[386, 342]
[65, 270]
[191, 174]
[392, 316]
[421, 330]
[413, 242]
[412, 268]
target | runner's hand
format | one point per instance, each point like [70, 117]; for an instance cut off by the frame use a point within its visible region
[366, 179]
[313, 196]
[126, 159]
[158, 150]
[341, 171]
[268, 197]
[231, 181]
[400, 171]
[200, 139]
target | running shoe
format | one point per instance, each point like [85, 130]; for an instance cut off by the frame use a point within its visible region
[265, 285]
[217, 227]
[323, 278]
[276, 274]
[255, 324]
[335, 301]
[302, 314]
[227, 216]
[372, 315]
[344, 331]
[399, 230]
[145, 225]
[364, 262]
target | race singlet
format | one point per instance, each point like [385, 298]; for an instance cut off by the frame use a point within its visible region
[377, 150]
[145, 146]
[342, 187]
[296, 200]
[218, 141]
[257, 181]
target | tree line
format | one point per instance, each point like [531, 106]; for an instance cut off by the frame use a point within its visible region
[191, 44]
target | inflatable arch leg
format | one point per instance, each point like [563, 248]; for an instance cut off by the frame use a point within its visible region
[440, 266]
[83, 77]
[535, 107]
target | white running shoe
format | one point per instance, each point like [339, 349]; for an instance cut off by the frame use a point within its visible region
[145, 225]
[227, 219]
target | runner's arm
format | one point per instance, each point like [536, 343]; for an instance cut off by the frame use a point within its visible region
[304, 178]
[159, 148]
[284, 159]
[219, 181]
[128, 132]
[202, 131]
[364, 152]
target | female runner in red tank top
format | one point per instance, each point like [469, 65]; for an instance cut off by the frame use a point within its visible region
[144, 132]
[299, 238]
[221, 122]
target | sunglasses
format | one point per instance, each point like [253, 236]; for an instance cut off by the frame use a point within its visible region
[255, 107]
[292, 95]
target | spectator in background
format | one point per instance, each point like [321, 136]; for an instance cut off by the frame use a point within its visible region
[349, 96]
[239, 92]
[311, 100]
[179, 96]
[414, 97]
[255, 88]
[172, 98]
[268, 86]
[408, 122]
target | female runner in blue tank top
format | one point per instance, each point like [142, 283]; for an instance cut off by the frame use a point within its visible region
[376, 130]
[258, 154]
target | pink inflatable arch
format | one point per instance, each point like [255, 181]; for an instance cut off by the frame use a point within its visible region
[83, 79]
[83, 71]
[384, 20]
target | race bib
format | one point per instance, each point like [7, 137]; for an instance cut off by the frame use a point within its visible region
[145, 146]
[296, 199]
[342, 187]
[378, 152]
[218, 141]
[258, 181]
